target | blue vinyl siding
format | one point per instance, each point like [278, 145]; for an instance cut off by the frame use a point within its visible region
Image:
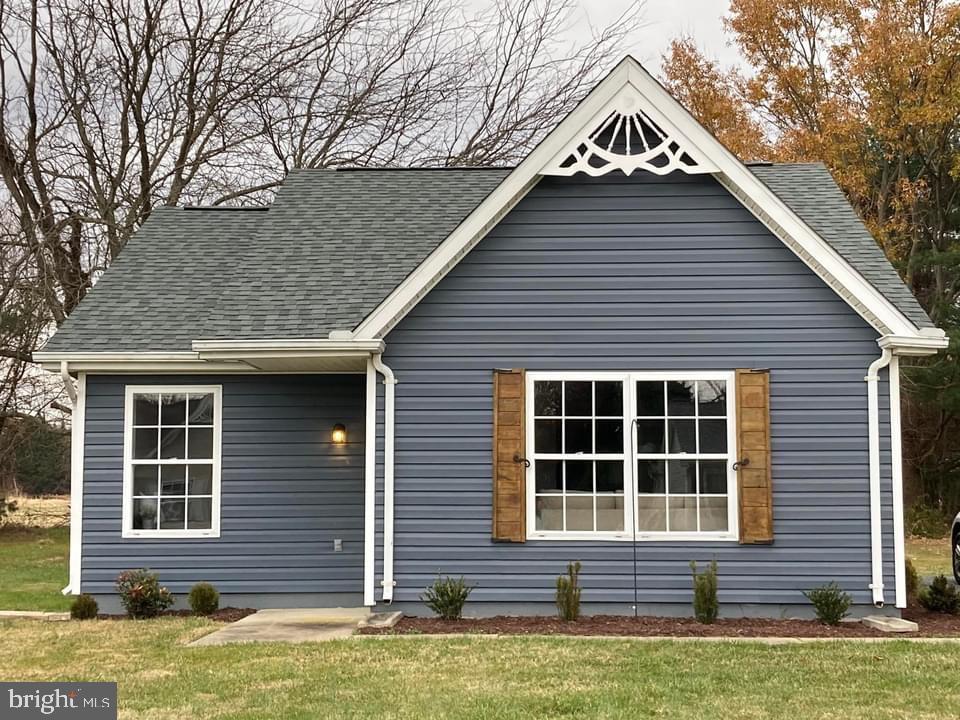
[287, 491]
[640, 273]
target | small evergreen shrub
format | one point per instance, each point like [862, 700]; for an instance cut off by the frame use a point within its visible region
[913, 580]
[568, 593]
[141, 593]
[706, 606]
[941, 596]
[204, 599]
[830, 603]
[84, 607]
[446, 597]
[927, 521]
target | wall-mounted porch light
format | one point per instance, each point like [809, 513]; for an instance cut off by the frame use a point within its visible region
[339, 435]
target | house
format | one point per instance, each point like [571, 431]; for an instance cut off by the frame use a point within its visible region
[630, 350]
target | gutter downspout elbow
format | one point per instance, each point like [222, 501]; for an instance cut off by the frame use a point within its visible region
[389, 384]
[873, 430]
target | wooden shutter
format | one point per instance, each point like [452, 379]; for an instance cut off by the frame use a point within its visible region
[509, 452]
[755, 492]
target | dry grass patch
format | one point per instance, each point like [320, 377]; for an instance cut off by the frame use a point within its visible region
[40, 512]
[931, 556]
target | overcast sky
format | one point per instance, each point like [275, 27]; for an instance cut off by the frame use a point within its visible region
[665, 20]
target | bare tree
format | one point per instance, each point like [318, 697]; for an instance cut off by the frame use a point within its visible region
[109, 108]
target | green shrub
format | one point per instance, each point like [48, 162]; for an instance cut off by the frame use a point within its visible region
[941, 596]
[568, 593]
[84, 607]
[830, 603]
[927, 521]
[706, 606]
[446, 597]
[141, 593]
[204, 599]
[913, 580]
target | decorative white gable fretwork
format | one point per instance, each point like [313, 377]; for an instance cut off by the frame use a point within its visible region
[626, 138]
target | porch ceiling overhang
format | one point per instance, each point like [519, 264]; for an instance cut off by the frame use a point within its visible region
[230, 356]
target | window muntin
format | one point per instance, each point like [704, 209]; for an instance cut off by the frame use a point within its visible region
[682, 456]
[673, 477]
[172, 461]
[578, 451]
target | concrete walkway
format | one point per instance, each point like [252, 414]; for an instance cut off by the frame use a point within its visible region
[33, 615]
[289, 625]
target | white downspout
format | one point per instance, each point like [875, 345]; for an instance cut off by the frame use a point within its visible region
[77, 394]
[896, 458]
[389, 384]
[876, 527]
[370, 487]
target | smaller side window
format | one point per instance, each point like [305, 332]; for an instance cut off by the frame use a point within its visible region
[172, 461]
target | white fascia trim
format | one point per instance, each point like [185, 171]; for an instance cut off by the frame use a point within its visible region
[320, 345]
[925, 343]
[77, 432]
[52, 360]
[733, 174]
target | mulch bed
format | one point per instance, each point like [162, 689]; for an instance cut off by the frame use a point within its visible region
[224, 615]
[931, 625]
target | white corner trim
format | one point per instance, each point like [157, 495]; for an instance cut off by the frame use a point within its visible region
[77, 433]
[896, 473]
[370, 488]
[126, 529]
[701, 146]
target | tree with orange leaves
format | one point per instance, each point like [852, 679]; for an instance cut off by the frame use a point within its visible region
[871, 88]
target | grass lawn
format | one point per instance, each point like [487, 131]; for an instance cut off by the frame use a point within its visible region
[511, 678]
[33, 568]
[930, 556]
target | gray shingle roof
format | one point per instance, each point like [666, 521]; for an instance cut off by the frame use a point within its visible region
[810, 191]
[332, 247]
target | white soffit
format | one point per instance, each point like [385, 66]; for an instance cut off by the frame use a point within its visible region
[582, 142]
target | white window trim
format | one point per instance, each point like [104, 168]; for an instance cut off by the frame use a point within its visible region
[127, 528]
[629, 472]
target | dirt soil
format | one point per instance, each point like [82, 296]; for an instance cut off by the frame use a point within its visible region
[224, 615]
[931, 625]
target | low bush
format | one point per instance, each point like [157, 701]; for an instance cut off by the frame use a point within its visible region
[706, 606]
[830, 603]
[141, 593]
[568, 593]
[941, 596]
[446, 597]
[913, 580]
[204, 599]
[927, 521]
[84, 607]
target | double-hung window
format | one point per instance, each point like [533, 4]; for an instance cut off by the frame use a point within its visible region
[631, 456]
[171, 474]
